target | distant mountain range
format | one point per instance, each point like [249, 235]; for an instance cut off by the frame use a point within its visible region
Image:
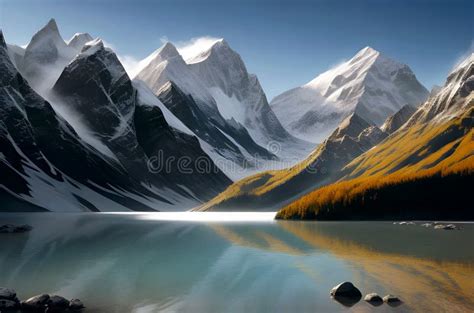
[435, 138]
[77, 133]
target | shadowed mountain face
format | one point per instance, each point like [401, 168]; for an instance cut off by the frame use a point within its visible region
[271, 190]
[422, 171]
[395, 121]
[219, 134]
[215, 97]
[48, 165]
[185, 92]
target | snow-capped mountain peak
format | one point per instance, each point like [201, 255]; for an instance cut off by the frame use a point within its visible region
[46, 56]
[167, 51]
[79, 40]
[371, 84]
[44, 45]
[205, 52]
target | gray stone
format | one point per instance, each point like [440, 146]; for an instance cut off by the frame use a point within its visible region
[76, 304]
[345, 289]
[38, 302]
[373, 299]
[7, 294]
[446, 227]
[8, 304]
[9, 229]
[57, 304]
[392, 300]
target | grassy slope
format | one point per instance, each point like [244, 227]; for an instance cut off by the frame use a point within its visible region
[409, 172]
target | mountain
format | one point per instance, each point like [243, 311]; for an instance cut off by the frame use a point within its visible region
[46, 56]
[16, 54]
[91, 150]
[215, 97]
[395, 121]
[237, 93]
[271, 190]
[422, 171]
[370, 84]
[79, 40]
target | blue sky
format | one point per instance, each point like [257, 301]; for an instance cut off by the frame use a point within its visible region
[286, 43]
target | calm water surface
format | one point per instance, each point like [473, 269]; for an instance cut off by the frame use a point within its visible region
[146, 263]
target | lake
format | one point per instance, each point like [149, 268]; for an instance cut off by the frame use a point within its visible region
[223, 262]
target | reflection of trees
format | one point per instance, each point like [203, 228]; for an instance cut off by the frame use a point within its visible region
[423, 283]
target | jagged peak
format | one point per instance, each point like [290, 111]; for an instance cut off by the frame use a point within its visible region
[167, 51]
[52, 25]
[79, 38]
[464, 63]
[353, 118]
[213, 47]
[367, 52]
[50, 28]
[50, 31]
[351, 126]
[92, 47]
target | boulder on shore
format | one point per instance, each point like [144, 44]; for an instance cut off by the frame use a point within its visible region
[9, 228]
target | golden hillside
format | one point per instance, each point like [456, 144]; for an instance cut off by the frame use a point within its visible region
[425, 167]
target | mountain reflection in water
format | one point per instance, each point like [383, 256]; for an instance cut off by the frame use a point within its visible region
[137, 263]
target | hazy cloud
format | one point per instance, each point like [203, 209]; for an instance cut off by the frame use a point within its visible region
[130, 63]
[195, 45]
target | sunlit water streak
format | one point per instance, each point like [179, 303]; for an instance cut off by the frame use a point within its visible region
[220, 217]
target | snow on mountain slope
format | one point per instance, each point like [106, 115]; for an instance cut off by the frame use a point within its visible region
[46, 166]
[184, 94]
[215, 97]
[237, 93]
[133, 128]
[455, 96]
[47, 54]
[79, 40]
[268, 191]
[16, 54]
[370, 84]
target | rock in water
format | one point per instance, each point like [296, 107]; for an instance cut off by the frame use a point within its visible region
[9, 228]
[57, 304]
[346, 294]
[8, 304]
[373, 299]
[345, 289]
[37, 303]
[7, 293]
[392, 300]
[446, 227]
[76, 304]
